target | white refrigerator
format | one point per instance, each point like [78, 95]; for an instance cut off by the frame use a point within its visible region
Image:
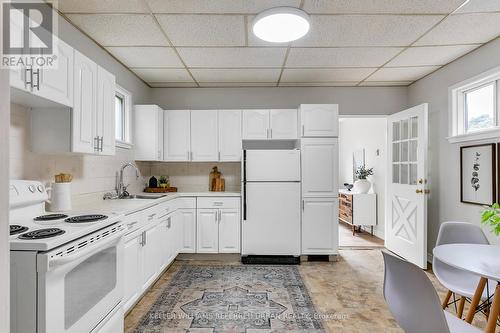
[271, 193]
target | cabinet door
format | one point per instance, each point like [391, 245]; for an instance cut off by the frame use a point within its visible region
[187, 220]
[319, 226]
[283, 124]
[56, 84]
[105, 123]
[132, 271]
[177, 135]
[207, 231]
[319, 167]
[151, 255]
[229, 231]
[204, 135]
[255, 124]
[230, 135]
[148, 133]
[319, 120]
[85, 102]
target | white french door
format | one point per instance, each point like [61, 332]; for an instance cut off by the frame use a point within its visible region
[406, 204]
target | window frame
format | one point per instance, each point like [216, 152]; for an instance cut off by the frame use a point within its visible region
[127, 118]
[457, 130]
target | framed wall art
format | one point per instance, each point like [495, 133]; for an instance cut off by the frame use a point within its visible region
[478, 174]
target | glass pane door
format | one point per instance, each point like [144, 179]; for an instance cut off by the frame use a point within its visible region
[404, 151]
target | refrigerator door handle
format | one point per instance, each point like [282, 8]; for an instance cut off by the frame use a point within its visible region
[244, 185]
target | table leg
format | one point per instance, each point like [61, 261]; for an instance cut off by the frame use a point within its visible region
[476, 299]
[494, 312]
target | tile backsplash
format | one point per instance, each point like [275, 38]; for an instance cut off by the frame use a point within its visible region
[97, 174]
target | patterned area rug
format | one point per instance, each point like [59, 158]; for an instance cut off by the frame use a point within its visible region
[233, 299]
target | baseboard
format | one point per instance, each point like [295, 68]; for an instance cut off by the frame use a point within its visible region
[270, 260]
[209, 257]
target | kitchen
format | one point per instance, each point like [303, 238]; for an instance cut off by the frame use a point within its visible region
[162, 177]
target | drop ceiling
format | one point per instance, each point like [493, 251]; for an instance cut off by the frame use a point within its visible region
[209, 43]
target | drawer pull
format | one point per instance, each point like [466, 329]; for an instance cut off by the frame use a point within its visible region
[218, 203]
[130, 225]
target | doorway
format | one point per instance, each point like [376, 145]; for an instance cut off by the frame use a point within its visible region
[362, 143]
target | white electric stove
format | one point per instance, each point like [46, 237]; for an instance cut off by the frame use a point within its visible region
[66, 268]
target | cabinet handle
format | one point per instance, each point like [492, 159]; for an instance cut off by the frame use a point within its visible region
[145, 238]
[169, 222]
[187, 158]
[270, 133]
[101, 144]
[37, 73]
[96, 143]
[302, 130]
[218, 203]
[219, 156]
[191, 156]
[30, 82]
[150, 217]
[303, 205]
[220, 216]
[130, 225]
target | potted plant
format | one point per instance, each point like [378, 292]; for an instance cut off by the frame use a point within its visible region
[163, 181]
[362, 184]
[490, 216]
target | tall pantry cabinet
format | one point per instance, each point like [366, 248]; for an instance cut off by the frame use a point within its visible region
[319, 146]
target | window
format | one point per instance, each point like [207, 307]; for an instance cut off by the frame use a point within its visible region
[475, 108]
[122, 118]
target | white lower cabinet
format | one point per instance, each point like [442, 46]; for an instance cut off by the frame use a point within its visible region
[187, 221]
[132, 267]
[319, 226]
[151, 254]
[207, 230]
[229, 231]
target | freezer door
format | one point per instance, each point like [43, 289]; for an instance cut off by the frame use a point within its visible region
[272, 225]
[272, 165]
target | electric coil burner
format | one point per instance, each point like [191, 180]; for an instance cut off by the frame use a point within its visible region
[42, 233]
[17, 229]
[50, 217]
[85, 218]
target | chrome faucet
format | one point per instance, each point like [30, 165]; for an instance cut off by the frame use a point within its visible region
[121, 189]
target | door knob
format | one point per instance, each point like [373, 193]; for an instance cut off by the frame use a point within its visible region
[419, 191]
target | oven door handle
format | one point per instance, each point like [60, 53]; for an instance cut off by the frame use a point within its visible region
[92, 249]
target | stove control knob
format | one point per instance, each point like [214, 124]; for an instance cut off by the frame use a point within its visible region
[31, 188]
[40, 188]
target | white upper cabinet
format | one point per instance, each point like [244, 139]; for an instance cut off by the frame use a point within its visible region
[270, 124]
[319, 226]
[105, 126]
[148, 133]
[229, 135]
[283, 124]
[177, 138]
[84, 139]
[56, 84]
[204, 135]
[319, 167]
[319, 120]
[255, 124]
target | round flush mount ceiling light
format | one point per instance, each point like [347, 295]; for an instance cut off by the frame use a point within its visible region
[281, 24]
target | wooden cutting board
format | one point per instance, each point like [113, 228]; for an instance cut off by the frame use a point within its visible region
[160, 189]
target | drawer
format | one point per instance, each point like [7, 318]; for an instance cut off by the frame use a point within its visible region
[218, 202]
[185, 203]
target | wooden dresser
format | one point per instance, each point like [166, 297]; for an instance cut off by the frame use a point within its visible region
[358, 209]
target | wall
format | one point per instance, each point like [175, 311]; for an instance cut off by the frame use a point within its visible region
[193, 177]
[444, 200]
[368, 133]
[351, 100]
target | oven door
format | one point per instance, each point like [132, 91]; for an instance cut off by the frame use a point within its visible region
[78, 289]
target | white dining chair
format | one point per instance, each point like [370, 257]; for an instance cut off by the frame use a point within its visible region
[458, 282]
[413, 301]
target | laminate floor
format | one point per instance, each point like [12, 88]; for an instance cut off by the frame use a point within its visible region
[359, 240]
[347, 293]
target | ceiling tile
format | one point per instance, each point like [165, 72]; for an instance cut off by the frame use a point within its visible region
[172, 84]
[384, 83]
[236, 75]
[237, 84]
[430, 55]
[204, 30]
[233, 57]
[325, 75]
[340, 57]
[217, 7]
[319, 84]
[163, 74]
[478, 6]
[366, 30]
[146, 56]
[99, 6]
[381, 6]
[401, 73]
[120, 30]
[464, 29]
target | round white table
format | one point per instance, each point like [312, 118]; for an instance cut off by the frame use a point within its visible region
[482, 260]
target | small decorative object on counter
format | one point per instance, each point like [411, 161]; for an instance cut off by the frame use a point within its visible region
[363, 185]
[153, 182]
[348, 186]
[216, 182]
[60, 193]
[164, 183]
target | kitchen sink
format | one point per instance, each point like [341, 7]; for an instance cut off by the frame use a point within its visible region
[144, 196]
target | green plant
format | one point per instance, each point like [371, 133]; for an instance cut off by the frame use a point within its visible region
[163, 180]
[490, 216]
[363, 172]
